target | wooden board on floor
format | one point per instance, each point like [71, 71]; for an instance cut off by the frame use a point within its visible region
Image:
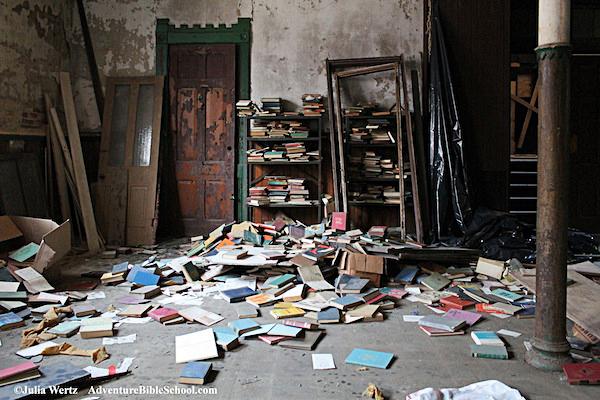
[89, 221]
[582, 299]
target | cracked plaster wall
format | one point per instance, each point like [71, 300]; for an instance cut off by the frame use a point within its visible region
[290, 41]
[33, 46]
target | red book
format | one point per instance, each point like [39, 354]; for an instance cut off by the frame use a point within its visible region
[300, 324]
[338, 221]
[163, 314]
[456, 302]
[488, 308]
[377, 298]
[18, 369]
[588, 373]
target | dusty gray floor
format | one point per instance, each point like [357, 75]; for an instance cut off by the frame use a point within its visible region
[256, 370]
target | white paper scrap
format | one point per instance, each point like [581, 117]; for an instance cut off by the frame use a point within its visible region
[323, 361]
[119, 339]
[507, 332]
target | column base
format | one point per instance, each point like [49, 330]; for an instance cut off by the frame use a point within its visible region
[548, 360]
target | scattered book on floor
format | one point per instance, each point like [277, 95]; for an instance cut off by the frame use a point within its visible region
[346, 302]
[488, 351]
[284, 330]
[439, 332]
[19, 373]
[445, 324]
[261, 299]
[10, 320]
[200, 315]
[486, 338]
[147, 292]
[237, 294]
[195, 373]
[163, 314]
[307, 342]
[370, 358]
[96, 327]
[226, 338]
[195, 346]
[65, 329]
[289, 312]
[242, 326]
[246, 310]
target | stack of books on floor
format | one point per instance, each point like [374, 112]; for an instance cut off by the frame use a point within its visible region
[271, 105]
[312, 104]
[279, 190]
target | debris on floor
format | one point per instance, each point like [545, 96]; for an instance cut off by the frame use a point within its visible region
[489, 390]
[301, 278]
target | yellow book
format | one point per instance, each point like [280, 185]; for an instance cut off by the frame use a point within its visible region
[283, 304]
[290, 312]
[261, 299]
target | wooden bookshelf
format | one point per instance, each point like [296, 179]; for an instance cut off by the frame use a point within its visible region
[311, 171]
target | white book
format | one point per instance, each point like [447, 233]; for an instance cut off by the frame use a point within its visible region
[195, 346]
[200, 315]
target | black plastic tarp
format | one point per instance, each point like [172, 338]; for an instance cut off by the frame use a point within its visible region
[449, 194]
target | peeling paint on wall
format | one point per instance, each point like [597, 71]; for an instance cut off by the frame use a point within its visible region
[33, 47]
[290, 41]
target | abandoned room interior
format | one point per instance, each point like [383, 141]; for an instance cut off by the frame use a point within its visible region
[300, 199]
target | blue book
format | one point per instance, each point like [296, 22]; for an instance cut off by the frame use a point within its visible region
[140, 276]
[407, 274]
[329, 315]
[506, 295]
[261, 330]
[370, 358]
[346, 302]
[121, 267]
[225, 337]
[241, 326]
[284, 330]
[10, 320]
[281, 280]
[238, 294]
[194, 373]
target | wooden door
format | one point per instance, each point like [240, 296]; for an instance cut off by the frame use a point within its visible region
[202, 129]
[128, 171]
[584, 185]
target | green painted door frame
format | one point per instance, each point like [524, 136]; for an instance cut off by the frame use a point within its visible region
[239, 34]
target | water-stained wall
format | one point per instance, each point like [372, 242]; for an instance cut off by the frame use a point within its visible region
[33, 46]
[290, 40]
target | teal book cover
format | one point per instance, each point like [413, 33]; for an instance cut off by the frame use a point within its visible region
[370, 358]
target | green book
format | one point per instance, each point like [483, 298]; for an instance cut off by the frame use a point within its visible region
[436, 281]
[253, 238]
[13, 295]
[25, 253]
[487, 351]
[281, 280]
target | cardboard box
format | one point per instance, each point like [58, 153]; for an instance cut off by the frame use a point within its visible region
[54, 239]
[364, 266]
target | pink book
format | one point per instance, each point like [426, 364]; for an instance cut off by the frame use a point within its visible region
[17, 369]
[163, 314]
[338, 221]
[273, 339]
[468, 316]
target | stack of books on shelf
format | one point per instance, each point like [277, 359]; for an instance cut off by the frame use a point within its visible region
[288, 152]
[297, 130]
[279, 190]
[376, 194]
[358, 110]
[258, 128]
[278, 129]
[245, 108]
[312, 104]
[270, 106]
[379, 131]
[372, 165]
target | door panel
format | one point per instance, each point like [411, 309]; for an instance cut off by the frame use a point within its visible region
[202, 90]
[128, 172]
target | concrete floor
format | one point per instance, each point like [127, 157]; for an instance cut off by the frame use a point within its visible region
[256, 370]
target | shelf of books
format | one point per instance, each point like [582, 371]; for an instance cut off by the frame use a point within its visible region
[372, 172]
[284, 159]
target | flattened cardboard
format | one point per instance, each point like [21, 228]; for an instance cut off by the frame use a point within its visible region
[8, 229]
[364, 263]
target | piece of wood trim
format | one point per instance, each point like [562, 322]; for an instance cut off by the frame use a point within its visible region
[89, 222]
[332, 140]
[340, 139]
[523, 103]
[25, 132]
[57, 157]
[529, 114]
[366, 70]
